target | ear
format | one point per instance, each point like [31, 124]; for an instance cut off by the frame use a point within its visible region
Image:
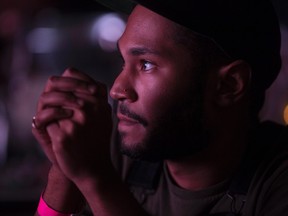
[233, 82]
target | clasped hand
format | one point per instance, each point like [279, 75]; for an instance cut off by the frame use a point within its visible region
[73, 124]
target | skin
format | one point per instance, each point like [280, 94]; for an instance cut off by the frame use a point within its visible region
[74, 120]
[162, 97]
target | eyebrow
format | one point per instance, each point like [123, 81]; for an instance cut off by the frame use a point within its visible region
[138, 51]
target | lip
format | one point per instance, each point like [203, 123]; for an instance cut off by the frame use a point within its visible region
[125, 120]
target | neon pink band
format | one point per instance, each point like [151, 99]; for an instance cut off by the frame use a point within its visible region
[44, 210]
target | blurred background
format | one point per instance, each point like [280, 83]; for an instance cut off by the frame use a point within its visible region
[42, 38]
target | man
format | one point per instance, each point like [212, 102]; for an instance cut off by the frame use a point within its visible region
[188, 96]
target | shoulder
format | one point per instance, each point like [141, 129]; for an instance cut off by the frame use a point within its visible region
[268, 192]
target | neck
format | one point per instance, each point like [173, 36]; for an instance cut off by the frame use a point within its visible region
[211, 166]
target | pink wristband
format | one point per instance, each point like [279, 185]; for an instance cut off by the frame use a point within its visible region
[44, 210]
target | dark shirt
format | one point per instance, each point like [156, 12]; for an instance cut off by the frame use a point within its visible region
[260, 186]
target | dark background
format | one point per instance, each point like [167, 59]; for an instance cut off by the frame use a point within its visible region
[66, 25]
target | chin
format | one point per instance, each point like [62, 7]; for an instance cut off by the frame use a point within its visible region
[155, 151]
[165, 142]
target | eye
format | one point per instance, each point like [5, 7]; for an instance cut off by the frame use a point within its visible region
[146, 65]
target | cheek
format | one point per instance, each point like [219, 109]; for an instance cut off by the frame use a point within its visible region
[157, 99]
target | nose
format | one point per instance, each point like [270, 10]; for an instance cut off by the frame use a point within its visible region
[123, 88]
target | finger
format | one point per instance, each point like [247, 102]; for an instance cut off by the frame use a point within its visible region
[70, 84]
[58, 137]
[74, 73]
[85, 99]
[56, 134]
[58, 99]
[49, 115]
[68, 101]
[68, 126]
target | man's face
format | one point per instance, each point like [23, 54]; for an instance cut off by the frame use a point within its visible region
[158, 91]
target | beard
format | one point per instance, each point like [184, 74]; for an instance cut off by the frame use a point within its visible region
[178, 133]
[167, 142]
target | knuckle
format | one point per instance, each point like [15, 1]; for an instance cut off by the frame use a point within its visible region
[60, 139]
[52, 111]
[70, 127]
[70, 72]
[42, 95]
[50, 83]
[82, 117]
[51, 79]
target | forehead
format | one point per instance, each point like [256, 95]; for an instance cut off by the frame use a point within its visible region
[144, 23]
[146, 29]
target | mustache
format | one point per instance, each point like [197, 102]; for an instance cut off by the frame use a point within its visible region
[125, 111]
